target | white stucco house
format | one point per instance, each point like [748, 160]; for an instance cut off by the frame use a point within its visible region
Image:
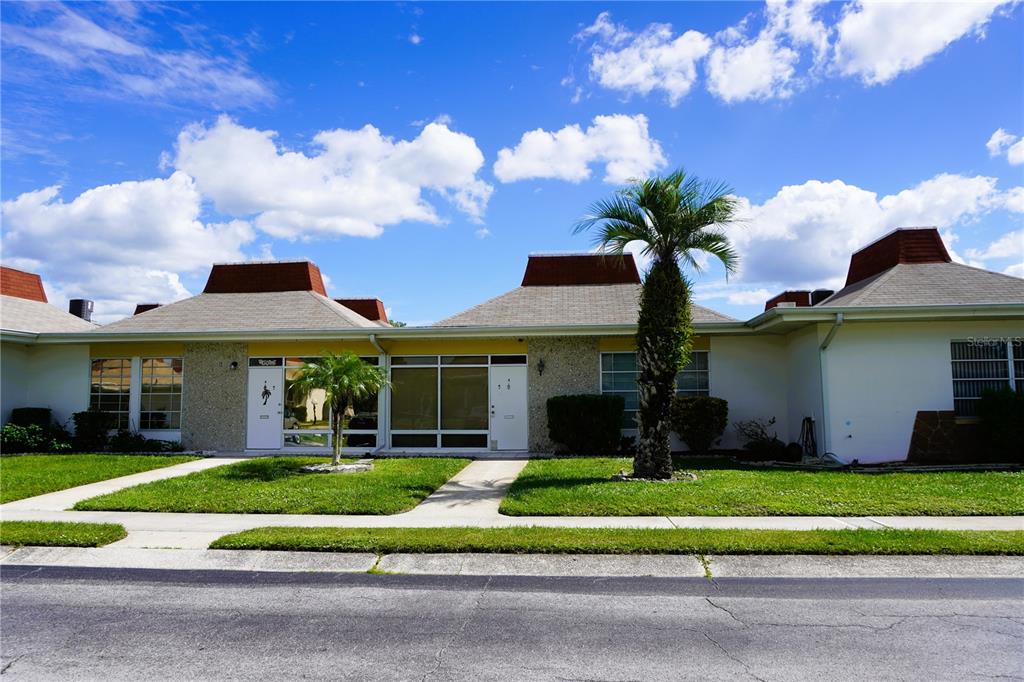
[878, 371]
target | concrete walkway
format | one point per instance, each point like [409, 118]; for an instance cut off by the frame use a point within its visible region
[65, 499]
[596, 565]
[470, 498]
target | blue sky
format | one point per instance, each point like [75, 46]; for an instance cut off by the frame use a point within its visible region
[420, 152]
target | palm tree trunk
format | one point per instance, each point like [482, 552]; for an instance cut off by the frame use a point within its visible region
[340, 424]
[663, 346]
[338, 416]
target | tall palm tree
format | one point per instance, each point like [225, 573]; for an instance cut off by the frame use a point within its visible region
[674, 217]
[345, 379]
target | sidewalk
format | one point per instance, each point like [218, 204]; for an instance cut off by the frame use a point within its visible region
[470, 498]
[539, 565]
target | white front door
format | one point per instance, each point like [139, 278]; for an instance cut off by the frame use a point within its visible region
[508, 408]
[266, 405]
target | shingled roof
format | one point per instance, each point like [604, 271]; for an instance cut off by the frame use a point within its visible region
[24, 308]
[26, 315]
[265, 311]
[538, 306]
[907, 284]
[569, 290]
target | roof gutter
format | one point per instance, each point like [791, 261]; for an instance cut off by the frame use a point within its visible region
[364, 334]
[812, 314]
[15, 336]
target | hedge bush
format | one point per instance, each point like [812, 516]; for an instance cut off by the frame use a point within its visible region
[586, 424]
[33, 438]
[27, 416]
[699, 420]
[92, 430]
[761, 443]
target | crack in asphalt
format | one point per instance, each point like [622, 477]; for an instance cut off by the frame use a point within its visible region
[771, 624]
[729, 654]
[12, 662]
[439, 655]
[722, 608]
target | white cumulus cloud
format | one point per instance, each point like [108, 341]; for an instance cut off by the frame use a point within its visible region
[1008, 246]
[640, 63]
[1003, 142]
[765, 66]
[795, 43]
[118, 244]
[622, 143]
[355, 182]
[877, 41]
[804, 235]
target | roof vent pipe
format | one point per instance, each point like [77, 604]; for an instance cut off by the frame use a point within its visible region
[81, 307]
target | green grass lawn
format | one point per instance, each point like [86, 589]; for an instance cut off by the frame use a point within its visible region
[534, 540]
[584, 487]
[276, 485]
[32, 475]
[59, 533]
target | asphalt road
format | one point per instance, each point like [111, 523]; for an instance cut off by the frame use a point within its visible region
[103, 624]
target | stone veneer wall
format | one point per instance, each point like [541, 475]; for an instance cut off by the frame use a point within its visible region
[213, 400]
[570, 366]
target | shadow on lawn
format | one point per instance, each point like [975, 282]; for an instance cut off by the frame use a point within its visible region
[269, 469]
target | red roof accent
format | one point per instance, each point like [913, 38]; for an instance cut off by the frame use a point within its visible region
[905, 245]
[144, 307]
[370, 308]
[257, 278]
[21, 284]
[800, 298]
[548, 271]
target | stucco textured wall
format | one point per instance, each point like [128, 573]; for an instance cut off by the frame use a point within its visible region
[750, 372]
[213, 396]
[13, 378]
[570, 366]
[880, 375]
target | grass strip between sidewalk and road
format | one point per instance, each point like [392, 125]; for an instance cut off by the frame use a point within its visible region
[585, 486]
[541, 540]
[30, 475]
[59, 533]
[279, 485]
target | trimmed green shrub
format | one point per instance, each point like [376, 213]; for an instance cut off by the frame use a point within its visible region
[129, 441]
[33, 438]
[586, 424]
[699, 420]
[92, 430]
[761, 443]
[26, 416]
[1001, 424]
[125, 441]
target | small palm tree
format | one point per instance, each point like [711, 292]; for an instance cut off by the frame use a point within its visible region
[344, 378]
[673, 217]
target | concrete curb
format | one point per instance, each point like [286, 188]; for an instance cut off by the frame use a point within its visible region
[534, 565]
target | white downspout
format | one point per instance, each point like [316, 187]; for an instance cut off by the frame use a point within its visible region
[826, 430]
[384, 400]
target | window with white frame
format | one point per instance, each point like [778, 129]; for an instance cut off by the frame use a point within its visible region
[980, 365]
[619, 373]
[110, 388]
[160, 394]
